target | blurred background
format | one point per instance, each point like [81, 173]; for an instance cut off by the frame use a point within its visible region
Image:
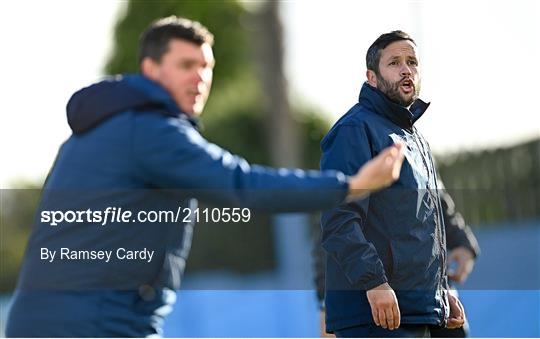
[285, 72]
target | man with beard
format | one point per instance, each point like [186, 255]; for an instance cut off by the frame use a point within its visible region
[386, 264]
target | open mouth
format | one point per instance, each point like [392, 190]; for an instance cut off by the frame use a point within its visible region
[195, 95]
[407, 86]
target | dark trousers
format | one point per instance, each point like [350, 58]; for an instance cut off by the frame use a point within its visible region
[440, 332]
[373, 331]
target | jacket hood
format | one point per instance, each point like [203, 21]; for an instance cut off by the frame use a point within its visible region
[94, 104]
[401, 116]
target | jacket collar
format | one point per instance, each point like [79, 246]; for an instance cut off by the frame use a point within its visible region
[157, 94]
[94, 104]
[403, 117]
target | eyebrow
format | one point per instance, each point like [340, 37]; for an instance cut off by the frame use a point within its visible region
[193, 61]
[409, 57]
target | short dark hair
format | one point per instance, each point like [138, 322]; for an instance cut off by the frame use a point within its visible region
[154, 41]
[373, 55]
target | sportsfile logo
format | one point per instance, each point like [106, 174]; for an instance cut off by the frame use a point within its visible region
[120, 215]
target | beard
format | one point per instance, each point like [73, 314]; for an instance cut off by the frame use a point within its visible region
[391, 90]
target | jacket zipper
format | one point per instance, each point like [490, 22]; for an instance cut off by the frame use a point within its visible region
[435, 201]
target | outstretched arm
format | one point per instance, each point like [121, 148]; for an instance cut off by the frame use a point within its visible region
[170, 154]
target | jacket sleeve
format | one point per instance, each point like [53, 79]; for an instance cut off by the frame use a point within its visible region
[319, 267]
[344, 149]
[458, 233]
[171, 154]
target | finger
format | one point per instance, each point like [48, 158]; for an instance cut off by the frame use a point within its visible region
[461, 308]
[401, 148]
[397, 315]
[382, 318]
[396, 169]
[455, 323]
[455, 310]
[375, 316]
[451, 326]
[388, 155]
[453, 276]
[394, 152]
[389, 318]
[392, 163]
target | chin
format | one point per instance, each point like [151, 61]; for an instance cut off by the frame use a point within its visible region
[408, 98]
[188, 111]
[197, 109]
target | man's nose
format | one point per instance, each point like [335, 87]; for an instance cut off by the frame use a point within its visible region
[199, 75]
[203, 75]
[405, 70]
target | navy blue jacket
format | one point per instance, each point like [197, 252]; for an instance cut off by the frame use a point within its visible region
[130, 141]
[395, 235]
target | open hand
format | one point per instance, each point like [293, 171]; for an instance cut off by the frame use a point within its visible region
[464, 258]
[377, 173]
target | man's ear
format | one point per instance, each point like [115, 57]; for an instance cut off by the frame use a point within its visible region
[150, 69]
[371, 78]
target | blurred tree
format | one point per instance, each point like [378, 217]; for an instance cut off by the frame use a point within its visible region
[16, 219]
[222, 18]
[281, 127]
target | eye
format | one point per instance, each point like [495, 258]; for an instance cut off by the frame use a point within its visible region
[413, 62]
[392, 63]
[186, 65]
